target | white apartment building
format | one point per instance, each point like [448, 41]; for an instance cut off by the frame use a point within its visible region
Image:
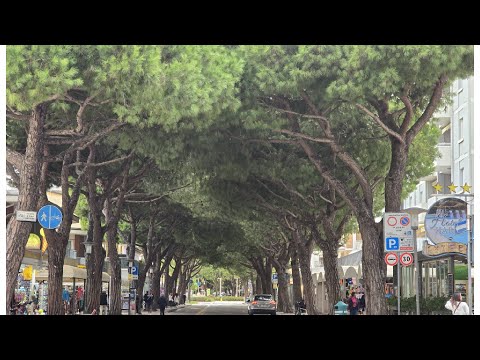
[454, 166]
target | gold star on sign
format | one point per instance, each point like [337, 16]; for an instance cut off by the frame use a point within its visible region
[466, 188]
[437, 187]
[452, 188]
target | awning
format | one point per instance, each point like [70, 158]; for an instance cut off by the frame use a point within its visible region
[69, 273]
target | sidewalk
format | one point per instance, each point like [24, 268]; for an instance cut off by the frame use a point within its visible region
[157, 312]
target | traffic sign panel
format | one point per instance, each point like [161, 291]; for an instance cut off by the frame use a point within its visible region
[397, 232]
[50, 217]
[406, 259]
[391, 259]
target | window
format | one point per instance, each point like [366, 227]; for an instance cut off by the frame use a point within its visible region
[421, 196]
[460, 128]
[461, 176]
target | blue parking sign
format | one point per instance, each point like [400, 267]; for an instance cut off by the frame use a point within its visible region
[392, 244]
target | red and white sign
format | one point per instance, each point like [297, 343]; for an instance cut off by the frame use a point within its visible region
[392, 221]
[406, 259]
[391, 259]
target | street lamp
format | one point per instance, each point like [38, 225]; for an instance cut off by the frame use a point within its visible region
[221, 299]
[88, 250]
[413, 212]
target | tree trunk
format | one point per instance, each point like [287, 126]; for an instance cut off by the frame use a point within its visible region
[28, 194]
[175, 274]
[142, 276]
[258, 285]
[94, 262]
[182, 286]
[116, 277]
[284, 304]
[156, 281]
[57, 247]
[268, 276]
[394, 180]
[330, 262]
[373, 265]
[304, 255]
[297, 280]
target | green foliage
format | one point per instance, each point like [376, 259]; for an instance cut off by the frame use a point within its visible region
[461, 272]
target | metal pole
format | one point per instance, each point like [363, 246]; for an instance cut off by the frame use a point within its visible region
[469, 258]
[398, 286]
[129, 285]
[417, 269]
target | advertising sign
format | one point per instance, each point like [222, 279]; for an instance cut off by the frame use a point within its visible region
[446, 221]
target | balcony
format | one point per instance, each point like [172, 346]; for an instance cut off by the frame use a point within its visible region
[443, 115]
[444, 162]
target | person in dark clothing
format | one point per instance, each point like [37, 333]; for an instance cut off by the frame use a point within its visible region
[162, 303]
[148, 301]
[184, 299]
[103, 303]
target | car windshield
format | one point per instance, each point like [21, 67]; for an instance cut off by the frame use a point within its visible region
[263, 297]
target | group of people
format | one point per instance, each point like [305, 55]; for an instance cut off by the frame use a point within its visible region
[148, 299]
[356, 303]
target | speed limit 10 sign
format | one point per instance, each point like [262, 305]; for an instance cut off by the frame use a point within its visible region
[406, 259]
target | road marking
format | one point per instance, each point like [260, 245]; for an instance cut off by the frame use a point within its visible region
[201, 312]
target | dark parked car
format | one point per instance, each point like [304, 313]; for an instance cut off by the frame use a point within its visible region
[262, 304]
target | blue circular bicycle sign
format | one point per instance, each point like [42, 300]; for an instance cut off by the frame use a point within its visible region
[50, 217]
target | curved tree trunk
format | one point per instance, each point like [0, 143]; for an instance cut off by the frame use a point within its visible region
[28, 195]
[296, 277]
[284, 303]
[373, 265]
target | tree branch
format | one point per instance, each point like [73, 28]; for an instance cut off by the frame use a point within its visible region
[429, 110]
[303, 136]
[408, 115]
[380, 122]
[15, 158]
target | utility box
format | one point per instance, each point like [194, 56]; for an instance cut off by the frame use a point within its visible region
[341, 308]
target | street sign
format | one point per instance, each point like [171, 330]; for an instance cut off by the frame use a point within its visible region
[274, 278]
[26, 216]
[406, 259]
[134, 272]
[391, 259]
[397, 232]
[50, 217]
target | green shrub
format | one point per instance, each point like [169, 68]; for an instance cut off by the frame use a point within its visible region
[427, 305]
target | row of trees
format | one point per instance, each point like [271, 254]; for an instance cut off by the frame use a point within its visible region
[250, 155]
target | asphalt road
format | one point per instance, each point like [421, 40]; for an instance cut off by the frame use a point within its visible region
[213, 308]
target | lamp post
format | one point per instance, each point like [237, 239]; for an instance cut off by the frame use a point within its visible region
[413, 212]
[88, 250]
[221, 299]
[130, 265]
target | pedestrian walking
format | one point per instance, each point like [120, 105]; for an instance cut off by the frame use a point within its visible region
[162, 304]
[353, 304]
[148, 298]
[457, 306]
